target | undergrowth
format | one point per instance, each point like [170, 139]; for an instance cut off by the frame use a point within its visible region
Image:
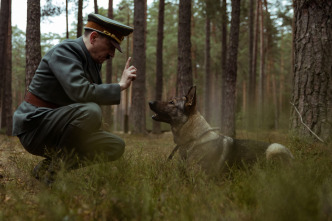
[143, 185]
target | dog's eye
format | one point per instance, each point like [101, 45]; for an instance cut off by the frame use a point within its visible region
[171, 102]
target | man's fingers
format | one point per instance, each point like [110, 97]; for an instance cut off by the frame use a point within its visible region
[133, 77]
[132, 69]
[128, 62]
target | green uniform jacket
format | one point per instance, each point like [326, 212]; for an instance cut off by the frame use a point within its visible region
[66, 75]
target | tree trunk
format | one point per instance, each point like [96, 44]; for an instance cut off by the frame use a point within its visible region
[4, 20]
[33, 49]
[275, 102]
[282, 77]
[254, 57]
[108, 108]
[251, 77]
[268, 36]
[139, 59]
[127, 92]
[8, 82]
[67, 25]
[207, 106]
[229, 110]
[184, 70]
[193, 49]
[261, 64]
[312, 80]
[244, 97]
[96, 6]
[80, 18]
[223, 57]
[5, 66]
[271, 91]
[159, 68]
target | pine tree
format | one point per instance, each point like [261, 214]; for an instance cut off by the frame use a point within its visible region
[159, 63]
[80, 18]
[139, 59]
[228, 117]
[33, 49]
[184, 73]
[312, 81]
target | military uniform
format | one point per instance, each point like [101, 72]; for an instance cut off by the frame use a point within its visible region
[61, 108]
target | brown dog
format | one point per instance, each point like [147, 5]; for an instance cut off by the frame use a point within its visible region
[202, 145]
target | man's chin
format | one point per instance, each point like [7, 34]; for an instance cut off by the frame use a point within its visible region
[100, 60]
[103, 60]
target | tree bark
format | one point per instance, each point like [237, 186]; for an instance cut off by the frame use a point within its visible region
[207, 106]
[229, 110]
[139, 59]
[5, 66]
[80, 18]
[275, 102]
[8, 82]
[4, 20]
[127, 93]
[184, 70]
[223, 57]
[193, 49]
[312, 79]
[33, 49]
[261, 64]
[108, 108]
[96, 6]
[254, 57]
[67, 25]
[159, 64]
[251, 77]
[271, 92]
[282, 75]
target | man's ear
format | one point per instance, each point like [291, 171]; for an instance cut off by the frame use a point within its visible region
[190, 104]
[93, 37]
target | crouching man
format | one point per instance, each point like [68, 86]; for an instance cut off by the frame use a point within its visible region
[60, 118]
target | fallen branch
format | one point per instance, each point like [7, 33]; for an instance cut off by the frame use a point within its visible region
[305, 124]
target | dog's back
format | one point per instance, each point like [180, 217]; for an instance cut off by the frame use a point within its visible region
[248, 151]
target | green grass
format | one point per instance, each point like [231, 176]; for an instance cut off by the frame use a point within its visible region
[142, 185]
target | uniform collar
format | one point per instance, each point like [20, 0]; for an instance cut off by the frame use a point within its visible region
[93, 67]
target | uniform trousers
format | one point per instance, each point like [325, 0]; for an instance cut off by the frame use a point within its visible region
[72, 129]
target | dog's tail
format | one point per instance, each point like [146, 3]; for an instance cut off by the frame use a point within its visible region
[278, 152]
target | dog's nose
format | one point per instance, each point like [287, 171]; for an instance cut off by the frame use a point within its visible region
[151, 103]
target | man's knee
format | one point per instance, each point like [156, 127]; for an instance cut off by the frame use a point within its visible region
[118, 149]
[90, 117]
[93, 110]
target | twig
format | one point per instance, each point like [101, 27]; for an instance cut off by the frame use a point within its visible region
[305, 124]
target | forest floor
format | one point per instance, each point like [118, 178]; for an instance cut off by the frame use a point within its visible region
[142, 185]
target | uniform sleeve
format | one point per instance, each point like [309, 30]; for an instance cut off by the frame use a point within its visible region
[66, 63]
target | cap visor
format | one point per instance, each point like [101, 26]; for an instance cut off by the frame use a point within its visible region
[116, 45]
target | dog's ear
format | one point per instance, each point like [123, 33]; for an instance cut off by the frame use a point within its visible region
[190, 104]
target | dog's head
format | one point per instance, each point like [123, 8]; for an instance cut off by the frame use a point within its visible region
[175, 111]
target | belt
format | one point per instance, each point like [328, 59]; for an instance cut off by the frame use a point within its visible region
[38, 102]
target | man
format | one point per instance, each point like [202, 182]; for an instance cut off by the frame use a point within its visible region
[60, 117]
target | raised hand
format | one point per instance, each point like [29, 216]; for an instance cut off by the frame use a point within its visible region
[128, 75]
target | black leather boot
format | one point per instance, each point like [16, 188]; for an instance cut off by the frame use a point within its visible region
[45, 171]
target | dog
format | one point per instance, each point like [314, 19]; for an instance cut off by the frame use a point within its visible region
[200, 144]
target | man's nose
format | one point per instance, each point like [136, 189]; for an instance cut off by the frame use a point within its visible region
[111, 53]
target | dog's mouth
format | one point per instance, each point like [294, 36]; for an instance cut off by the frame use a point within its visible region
[158, 116]
[155, 117]
[161, 117]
